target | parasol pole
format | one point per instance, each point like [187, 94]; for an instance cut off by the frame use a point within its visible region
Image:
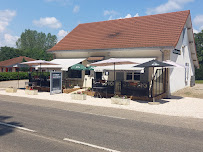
[18, 77]
[114, 77]
[40, 74]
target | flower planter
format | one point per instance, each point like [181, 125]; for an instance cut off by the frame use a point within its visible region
[89, 93]
[78, 96]
[11, 90]
[120, 101]
[31, 92]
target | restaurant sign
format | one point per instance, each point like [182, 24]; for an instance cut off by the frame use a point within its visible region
[176, 51]
[55, 82]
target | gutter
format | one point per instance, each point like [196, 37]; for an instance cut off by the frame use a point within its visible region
[113, 49]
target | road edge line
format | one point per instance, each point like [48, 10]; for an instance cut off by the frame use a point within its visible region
[90, 145]
[13, 126]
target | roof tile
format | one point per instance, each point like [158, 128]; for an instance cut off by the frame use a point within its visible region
[145, 31]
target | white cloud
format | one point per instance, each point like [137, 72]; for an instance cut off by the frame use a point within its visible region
[61, 34]
[76, 9]
[171, 5]
[198, 20]
[136, 15]
[195, 31]
[8, 40]
[128, 16]
[111, 14]
[50, 22]
[5, 18]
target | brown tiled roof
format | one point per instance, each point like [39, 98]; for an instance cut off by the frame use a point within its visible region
[15, 61]
[145, 31]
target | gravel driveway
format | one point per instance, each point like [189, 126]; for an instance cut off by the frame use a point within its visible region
[195, 92]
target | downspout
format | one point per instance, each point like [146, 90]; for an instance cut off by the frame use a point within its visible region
[162, 55]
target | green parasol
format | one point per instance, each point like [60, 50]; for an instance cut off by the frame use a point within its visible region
[90, 68]
[78, 67]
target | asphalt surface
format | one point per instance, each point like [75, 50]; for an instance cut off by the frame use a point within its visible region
[114, 129]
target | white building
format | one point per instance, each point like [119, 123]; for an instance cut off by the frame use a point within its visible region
[166, 36]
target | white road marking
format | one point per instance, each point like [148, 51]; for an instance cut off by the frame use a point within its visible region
[97, 114]
[13, 126]
[90, 145]
[104, 115]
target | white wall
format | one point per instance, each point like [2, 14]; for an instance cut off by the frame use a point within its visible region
[177, 75]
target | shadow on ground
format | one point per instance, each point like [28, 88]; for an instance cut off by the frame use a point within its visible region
[4, 130]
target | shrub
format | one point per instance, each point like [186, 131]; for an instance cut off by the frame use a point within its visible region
[5, 76]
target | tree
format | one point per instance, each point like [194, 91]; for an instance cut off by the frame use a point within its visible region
[31, 39]
[9, 53]
[199, 48]
[34, 44]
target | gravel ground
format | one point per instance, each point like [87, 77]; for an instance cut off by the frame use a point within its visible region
[195, 92]
[186, 107]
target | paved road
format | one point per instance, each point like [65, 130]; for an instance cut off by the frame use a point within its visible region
[104, 127]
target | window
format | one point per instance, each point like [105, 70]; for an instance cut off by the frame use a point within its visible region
[9, 69]
[87, 72]
[186, 71]
[137, 76]
[98, 75]
[74, 73]
[129, 76]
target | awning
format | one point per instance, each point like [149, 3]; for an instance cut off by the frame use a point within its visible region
[124, 67]
[64, 64]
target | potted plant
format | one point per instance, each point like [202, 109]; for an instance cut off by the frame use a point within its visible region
[11, 90]
[78, 96]
[124, 100]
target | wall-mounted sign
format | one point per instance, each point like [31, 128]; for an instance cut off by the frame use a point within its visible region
[176, 51]
[55, 82]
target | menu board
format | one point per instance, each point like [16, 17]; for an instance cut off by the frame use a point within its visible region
[55, 82]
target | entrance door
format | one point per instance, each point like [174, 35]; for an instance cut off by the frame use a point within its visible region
[119, 78]
[98, 75]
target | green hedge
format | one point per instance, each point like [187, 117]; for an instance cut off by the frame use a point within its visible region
[5, 76]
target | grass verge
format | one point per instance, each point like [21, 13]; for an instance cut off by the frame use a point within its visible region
[199, 81]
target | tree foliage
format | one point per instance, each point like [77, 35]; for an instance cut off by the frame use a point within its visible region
[31, 39]
[34, 44]
[199, 48]
[9, 53]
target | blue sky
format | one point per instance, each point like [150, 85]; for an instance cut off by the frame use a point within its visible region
[61, 16]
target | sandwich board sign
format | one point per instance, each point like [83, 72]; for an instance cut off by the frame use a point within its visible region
[55, 82]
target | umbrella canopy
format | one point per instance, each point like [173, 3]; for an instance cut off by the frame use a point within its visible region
[112, 61]
[39, 62]
[78, 67]
[90, 68]
[154, 63]
[174, 64]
